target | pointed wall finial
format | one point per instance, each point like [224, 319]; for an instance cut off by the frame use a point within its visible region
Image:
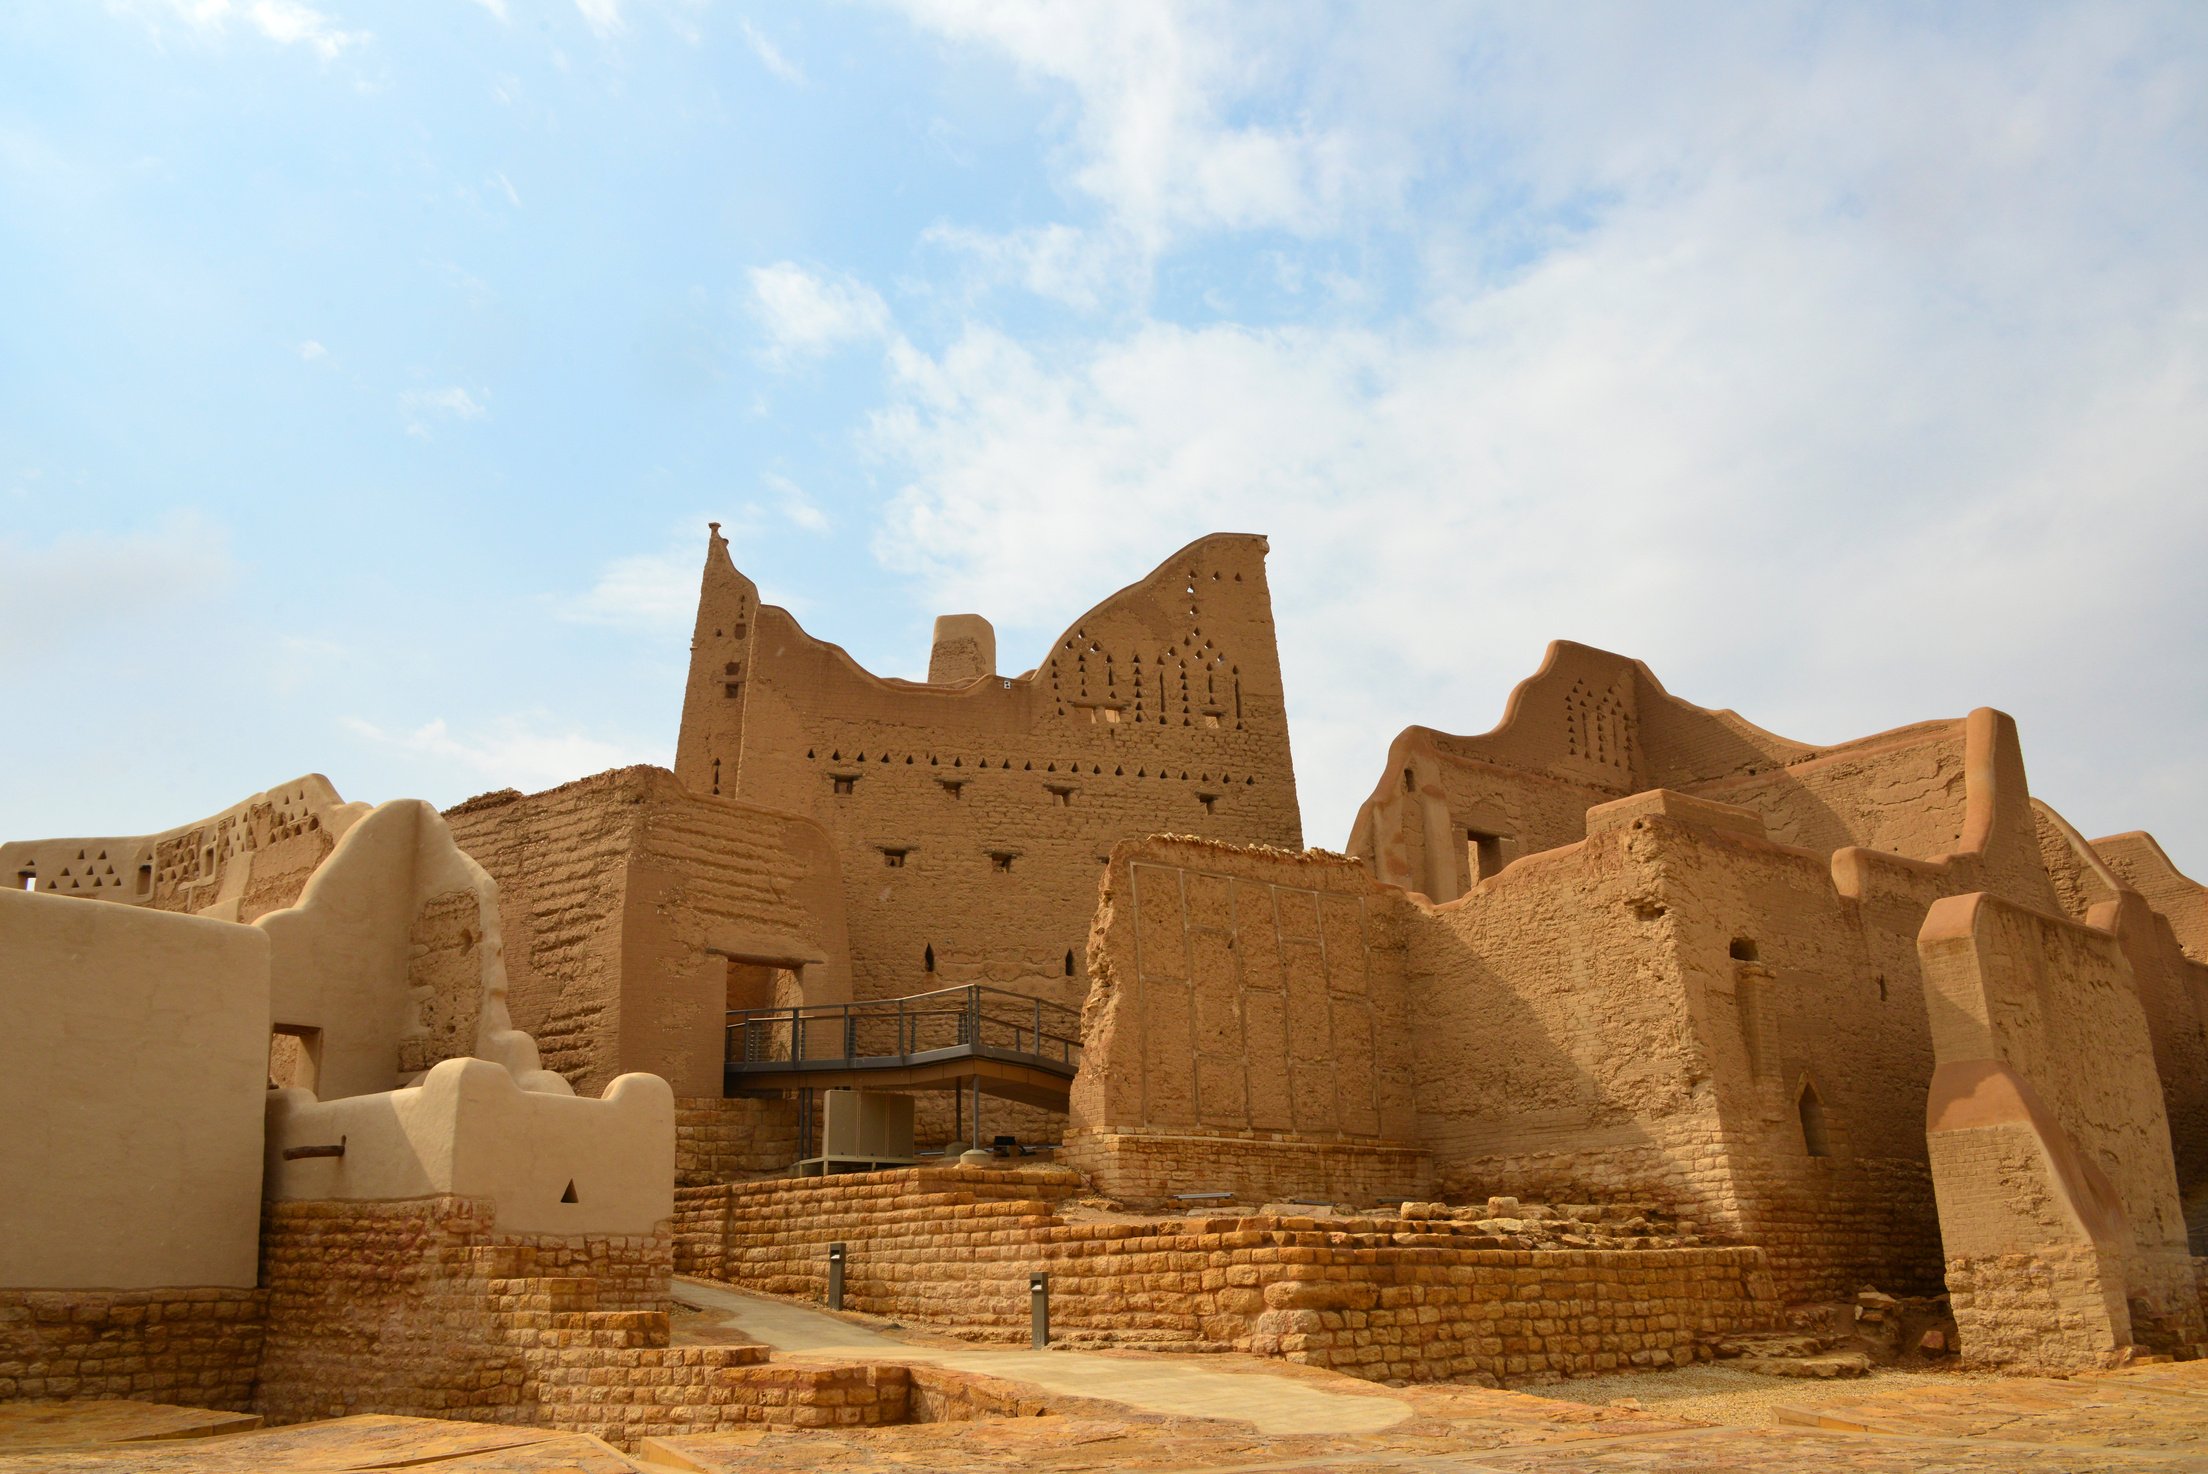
[716, 528]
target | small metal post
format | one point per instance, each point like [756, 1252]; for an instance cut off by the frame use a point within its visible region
[1038, 1308]
[977, 1110]
[835, 1276]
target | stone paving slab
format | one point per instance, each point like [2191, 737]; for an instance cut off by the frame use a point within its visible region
[2108, 1411]
[55, 1424]
[342, 1446]
[1258, 1391]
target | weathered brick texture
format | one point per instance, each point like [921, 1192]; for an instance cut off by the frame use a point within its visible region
[1375, 1297]
[197, 1347]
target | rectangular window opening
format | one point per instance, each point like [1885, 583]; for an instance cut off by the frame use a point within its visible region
[845, 782]
[1483, 855]
[894, 859]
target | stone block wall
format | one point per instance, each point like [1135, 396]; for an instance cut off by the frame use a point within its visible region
[423, 1308]
[197, 1347]
[718, 1139]
[1375, 1297]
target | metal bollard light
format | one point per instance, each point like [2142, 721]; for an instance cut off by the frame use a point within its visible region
[835, 1276]
[1038, 1308]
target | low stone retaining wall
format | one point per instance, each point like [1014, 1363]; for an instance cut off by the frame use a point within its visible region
[1376, 1297]
[198, 1347]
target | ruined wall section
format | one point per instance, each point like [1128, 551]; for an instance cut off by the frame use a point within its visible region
[1591, 726]
[560, 860]
[2143, 891]
[1653, 1013]
[252, 858]
[1807, 1006]
[1557, 1056]
[1902, 792]
[2140, 863]
[626, 903]
[971, 821]
[711, 883]
[2059, 1205]
[1248, 1030]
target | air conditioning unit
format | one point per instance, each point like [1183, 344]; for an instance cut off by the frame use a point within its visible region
[867, 1124]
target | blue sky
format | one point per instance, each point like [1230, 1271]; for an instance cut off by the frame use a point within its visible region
[368, 372]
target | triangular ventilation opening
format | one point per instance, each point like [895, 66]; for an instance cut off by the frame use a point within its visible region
[569, 1195]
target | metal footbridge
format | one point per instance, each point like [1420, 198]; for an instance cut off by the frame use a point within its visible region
[991, 1040]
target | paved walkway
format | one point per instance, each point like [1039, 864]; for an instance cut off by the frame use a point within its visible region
[1180, 1386]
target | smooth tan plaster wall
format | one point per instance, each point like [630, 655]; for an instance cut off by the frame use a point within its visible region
[393, 953]
[549, 1164]
[1244, 1000]
[251, 858]
[623, 898]
[132, 1070]
[2052, 1005]
[999, 799]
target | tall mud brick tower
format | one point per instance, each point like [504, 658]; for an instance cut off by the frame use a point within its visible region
[973, 812]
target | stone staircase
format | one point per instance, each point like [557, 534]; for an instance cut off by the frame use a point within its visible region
[616, 1374]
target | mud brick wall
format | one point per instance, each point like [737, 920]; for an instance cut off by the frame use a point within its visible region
[970, 822]
[197, 1347]
[1150, 1167]
[1247, 1029]
[1377, 1297]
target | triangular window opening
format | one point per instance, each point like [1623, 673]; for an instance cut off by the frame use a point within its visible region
[569, 1195]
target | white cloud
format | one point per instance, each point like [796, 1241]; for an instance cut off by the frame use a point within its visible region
[452, 402]
[1159, 86]
[770, 56]
[496, 7]
[1847, 415]
[515, 751]
[603, 16]
[285, 22]
[506, 187]
[644, 591]
[1080, 268]
[795, 504]
[310, 350]
[68, 598]
[806, 314]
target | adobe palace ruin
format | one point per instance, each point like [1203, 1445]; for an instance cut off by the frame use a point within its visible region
[1624, 1035]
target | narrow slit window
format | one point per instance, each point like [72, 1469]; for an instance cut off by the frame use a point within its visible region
[1815, 1138]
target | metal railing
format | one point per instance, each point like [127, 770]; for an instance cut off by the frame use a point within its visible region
[949, 1023]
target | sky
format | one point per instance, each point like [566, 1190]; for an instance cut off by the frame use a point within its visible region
[369, 371]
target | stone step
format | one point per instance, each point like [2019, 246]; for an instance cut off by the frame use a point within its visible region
[1835, 1364]
[1776, 1346]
